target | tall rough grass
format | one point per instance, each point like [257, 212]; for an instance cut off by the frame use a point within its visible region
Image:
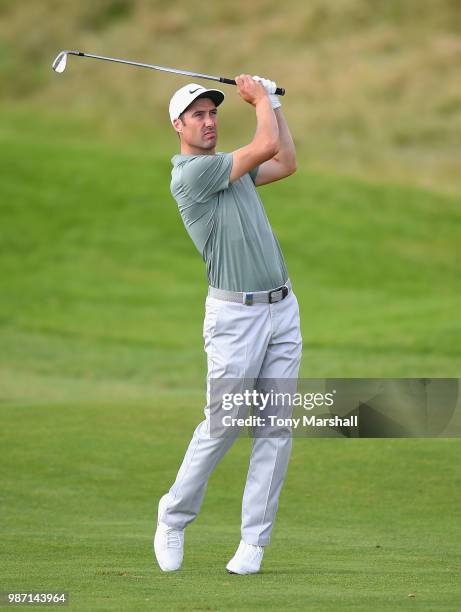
[372, 87]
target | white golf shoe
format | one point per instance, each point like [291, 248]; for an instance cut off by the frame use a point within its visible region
[168, 543]
[247, 559]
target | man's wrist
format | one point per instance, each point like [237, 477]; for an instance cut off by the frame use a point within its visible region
[262, 100]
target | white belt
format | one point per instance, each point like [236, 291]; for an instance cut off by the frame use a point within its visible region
[252, 297]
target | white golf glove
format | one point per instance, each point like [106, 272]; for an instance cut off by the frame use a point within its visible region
[270, 87]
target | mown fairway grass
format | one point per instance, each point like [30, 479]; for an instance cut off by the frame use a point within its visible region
[102, 381]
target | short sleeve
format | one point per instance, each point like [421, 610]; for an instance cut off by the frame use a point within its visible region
[203, 176]
[253, 173]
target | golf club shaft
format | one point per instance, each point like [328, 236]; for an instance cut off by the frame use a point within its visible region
[280, 91]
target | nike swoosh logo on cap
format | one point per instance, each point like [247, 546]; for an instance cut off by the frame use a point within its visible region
[192, 91]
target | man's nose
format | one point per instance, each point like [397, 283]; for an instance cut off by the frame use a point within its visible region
[210, 119]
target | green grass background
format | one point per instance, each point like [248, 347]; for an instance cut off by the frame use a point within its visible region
[102, 301]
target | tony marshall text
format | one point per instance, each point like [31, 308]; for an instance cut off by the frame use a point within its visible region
[274, 421]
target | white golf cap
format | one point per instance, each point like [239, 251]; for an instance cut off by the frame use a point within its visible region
[187, 94]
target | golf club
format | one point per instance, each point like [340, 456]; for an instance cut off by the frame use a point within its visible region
[59, 65]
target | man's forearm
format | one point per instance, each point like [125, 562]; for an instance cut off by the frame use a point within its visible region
[286, 153]
[267, 128]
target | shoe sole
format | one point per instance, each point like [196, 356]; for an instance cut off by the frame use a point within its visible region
[241, 573]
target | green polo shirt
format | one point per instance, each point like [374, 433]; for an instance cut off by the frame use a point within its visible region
[227, 223]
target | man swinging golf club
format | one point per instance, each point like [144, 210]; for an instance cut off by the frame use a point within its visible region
[251, 328]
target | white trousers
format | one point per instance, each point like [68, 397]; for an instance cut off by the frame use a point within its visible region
[241, 342]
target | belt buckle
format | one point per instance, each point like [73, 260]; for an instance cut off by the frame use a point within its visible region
[282, 291]
[248, 299]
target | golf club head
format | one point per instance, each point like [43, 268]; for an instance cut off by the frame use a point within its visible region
[59, 64]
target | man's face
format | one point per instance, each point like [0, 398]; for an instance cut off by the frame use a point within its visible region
[199, 128]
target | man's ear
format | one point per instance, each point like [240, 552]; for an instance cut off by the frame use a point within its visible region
[177, 123]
